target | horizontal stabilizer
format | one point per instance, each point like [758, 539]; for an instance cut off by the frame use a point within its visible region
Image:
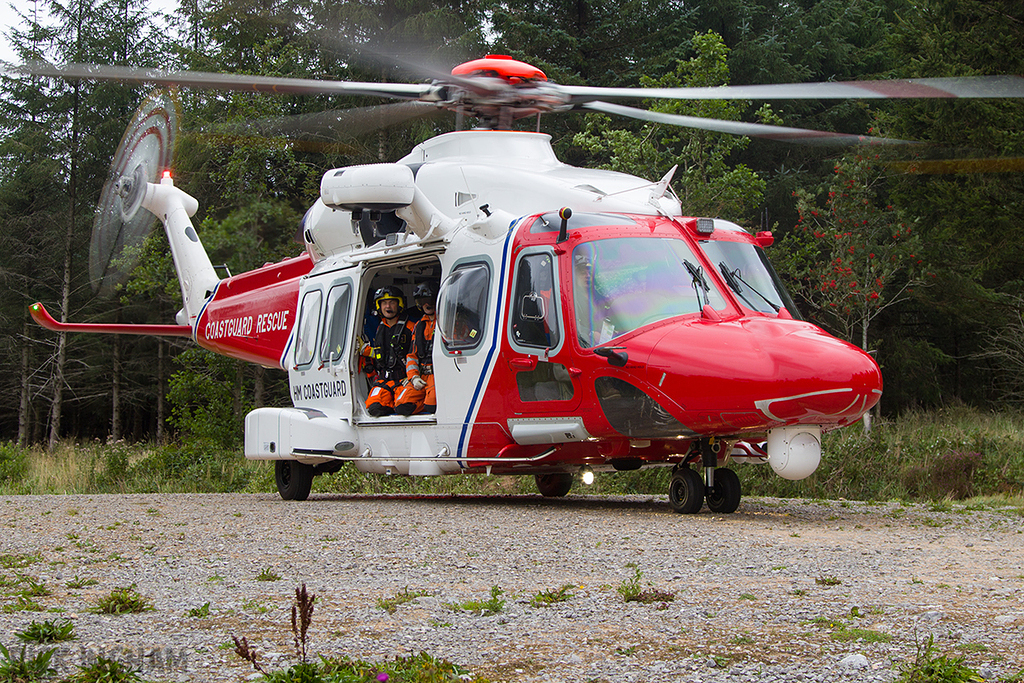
[43, 317]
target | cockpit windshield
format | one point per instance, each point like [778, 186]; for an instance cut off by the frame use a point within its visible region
[623, 283]
[750, 275]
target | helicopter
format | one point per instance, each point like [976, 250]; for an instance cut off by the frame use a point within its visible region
[583, 321]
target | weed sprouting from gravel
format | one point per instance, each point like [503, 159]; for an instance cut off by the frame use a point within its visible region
[123, 601]
[268, 574]
[18, 668]
[302, 617]
[24, 603]
[414, 668]
[49, 631]
[19, 560]
[632, 589]
[483, 608]
[200, 612]
[80, 583]
[550, 597]
[33, 588]
[105, 670]
[931, 667]
[390, 605]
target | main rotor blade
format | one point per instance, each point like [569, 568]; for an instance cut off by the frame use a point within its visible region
[754, 130]
[417, 62]
[215, 81]
[333, 125]
[969, 87]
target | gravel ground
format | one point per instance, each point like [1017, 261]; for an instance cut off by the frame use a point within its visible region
[782, 590]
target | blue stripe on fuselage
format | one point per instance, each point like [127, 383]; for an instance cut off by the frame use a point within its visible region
[499, 307]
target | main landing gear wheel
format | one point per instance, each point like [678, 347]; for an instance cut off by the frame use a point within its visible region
[724, 496]
[294, 479]
[686, 491]
[553, 485]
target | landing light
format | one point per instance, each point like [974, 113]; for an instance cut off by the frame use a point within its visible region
[586, 475]
[705, 226]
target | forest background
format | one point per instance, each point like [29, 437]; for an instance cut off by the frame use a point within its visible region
[918, 257]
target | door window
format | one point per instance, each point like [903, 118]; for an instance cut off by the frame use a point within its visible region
[339, 300]
[309, 324]
[462, 307]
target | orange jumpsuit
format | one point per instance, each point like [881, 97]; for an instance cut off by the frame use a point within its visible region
[387, 359]
[419, 363]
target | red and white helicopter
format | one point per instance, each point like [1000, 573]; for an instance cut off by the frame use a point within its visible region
[584, 321]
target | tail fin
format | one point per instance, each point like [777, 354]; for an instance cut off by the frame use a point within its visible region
[196, 275]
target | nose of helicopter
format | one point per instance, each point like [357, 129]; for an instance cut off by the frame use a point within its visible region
[761, 372]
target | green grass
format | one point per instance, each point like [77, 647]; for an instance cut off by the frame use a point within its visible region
[104, 670]
[200, 612]
[21, 668]
[390, 605]
[123, 601]
[936, 456]
[929, 666]
[550, 597]
[49, 631]
[632, 589]
[846, 635]
[268, 574]
[19, 560]
[80, 583]
[483, 608]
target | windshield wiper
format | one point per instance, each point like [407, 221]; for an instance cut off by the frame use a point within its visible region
[733, 279]
[699, 283]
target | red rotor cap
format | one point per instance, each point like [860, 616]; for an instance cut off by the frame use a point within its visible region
[502, 66]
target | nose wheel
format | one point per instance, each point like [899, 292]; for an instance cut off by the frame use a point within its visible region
[724, 496]
[719, 486]
[686, 491]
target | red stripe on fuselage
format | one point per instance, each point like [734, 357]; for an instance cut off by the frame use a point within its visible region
[251, 315]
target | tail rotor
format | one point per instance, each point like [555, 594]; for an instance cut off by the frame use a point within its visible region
[121, 225]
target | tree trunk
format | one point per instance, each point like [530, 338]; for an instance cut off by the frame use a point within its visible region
[866, 420]
[65, 295]
[237, 393]
[115, 391]
[24, 412]
[259, 386]
[160, 390]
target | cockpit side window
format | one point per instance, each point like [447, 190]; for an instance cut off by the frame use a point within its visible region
[462, 307]
[534, 317]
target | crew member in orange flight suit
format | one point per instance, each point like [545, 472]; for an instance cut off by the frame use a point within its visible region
[417, 394]
[387, 354]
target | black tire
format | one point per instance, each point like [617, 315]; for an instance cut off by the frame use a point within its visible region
[294, 479]
[724, 496]
[553, 485]
[686, 491]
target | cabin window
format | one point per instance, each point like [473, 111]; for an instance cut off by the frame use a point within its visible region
[339, 300]
[309, 324]
[546, 382]
[534, 315]
[462, 307]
